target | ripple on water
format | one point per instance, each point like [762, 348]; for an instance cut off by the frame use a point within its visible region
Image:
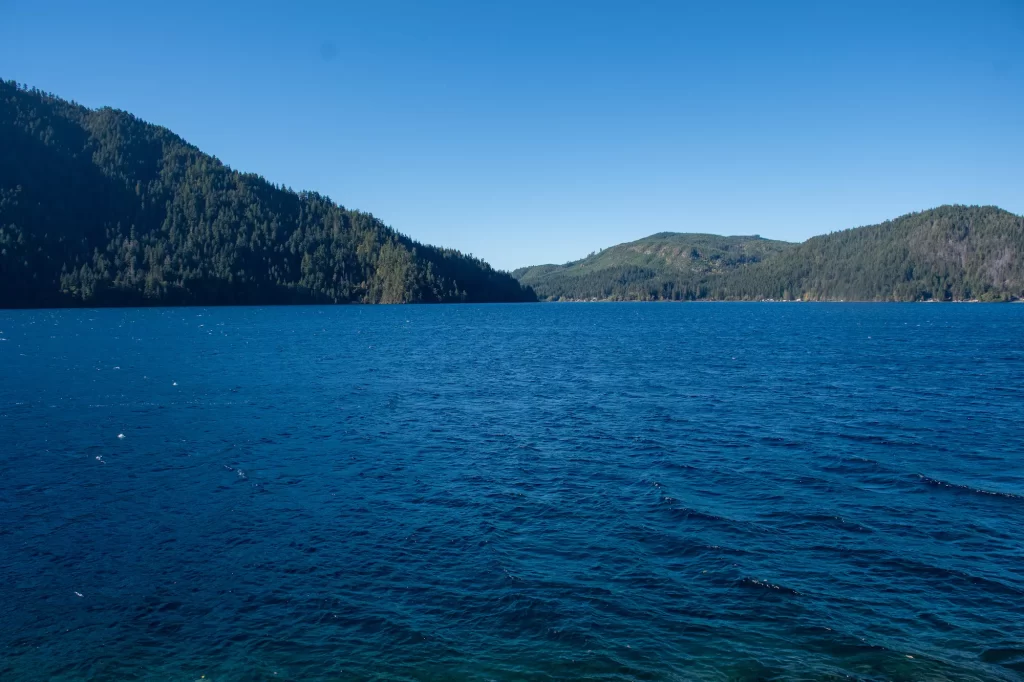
[607, 492]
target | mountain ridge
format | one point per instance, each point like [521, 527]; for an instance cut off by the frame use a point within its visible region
[952, 252]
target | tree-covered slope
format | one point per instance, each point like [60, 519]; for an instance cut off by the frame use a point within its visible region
[947, 253]
[100, 208]
[663, 266]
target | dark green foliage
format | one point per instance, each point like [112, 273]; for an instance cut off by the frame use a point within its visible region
[947, 253]
[950, 253]
[101, 208]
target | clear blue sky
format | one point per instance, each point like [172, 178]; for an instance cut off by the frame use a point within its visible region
[528, 132]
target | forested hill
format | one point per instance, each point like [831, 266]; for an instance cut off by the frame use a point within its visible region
[100, 208]
[946, 253]
[663, 266]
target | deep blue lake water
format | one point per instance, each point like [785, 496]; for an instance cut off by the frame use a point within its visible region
[513, 492]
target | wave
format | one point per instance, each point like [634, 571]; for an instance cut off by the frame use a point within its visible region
[879, 440]
[959, 487]
[778, 442]
[1011, 657]
[765, 585]
[908, 567]
[681, 512]
[839, 522]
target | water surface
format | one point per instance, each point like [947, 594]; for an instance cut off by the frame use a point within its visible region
[513, 492]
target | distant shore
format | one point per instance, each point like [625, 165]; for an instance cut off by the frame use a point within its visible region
[765, 300]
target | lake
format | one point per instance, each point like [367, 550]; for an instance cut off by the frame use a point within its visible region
[513, 492]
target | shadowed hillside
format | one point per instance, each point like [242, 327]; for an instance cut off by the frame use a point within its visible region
[100, 208]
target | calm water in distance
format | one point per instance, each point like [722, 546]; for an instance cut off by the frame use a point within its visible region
[513, 492]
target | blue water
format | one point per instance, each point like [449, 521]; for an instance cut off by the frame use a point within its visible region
[513, 492]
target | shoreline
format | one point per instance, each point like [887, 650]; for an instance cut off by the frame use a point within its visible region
[207, 306]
